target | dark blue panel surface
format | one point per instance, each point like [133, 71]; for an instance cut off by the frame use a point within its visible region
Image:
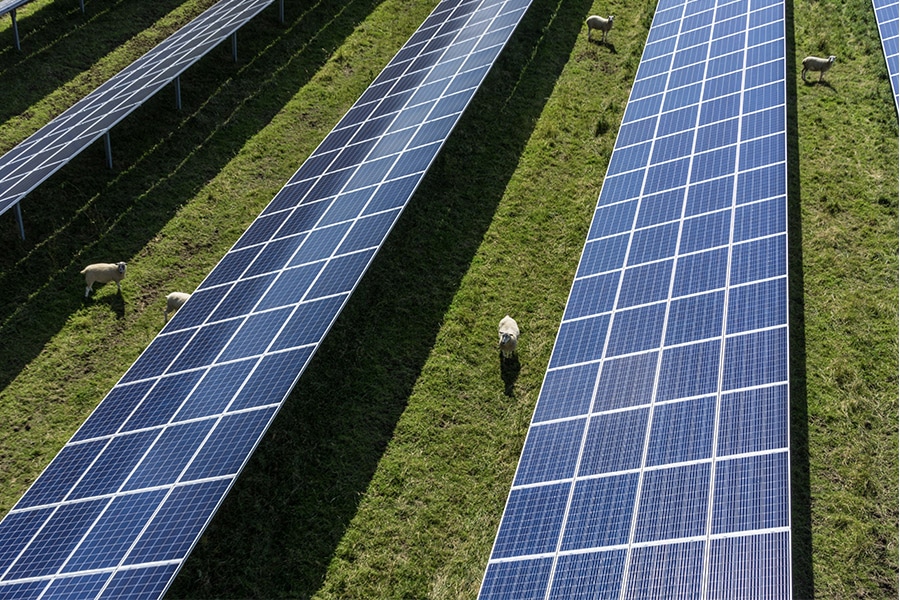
[526, 531]
[751, 493]
[615, 442]
[113, 465]
[588, 576]
[671, 571]
[600, 513]
[520, 580]
[55, 541]
[114, 532]
[566, 393]
[592, 295]
[682, 431]
[550, 452]
[753, 421]
[627, 381]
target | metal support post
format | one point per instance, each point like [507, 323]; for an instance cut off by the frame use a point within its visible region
[178, 92]
[19, 219]
[12, 14]
[234, 46]
[281, 11]
[108, 143]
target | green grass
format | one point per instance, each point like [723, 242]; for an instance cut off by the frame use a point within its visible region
[386, 472]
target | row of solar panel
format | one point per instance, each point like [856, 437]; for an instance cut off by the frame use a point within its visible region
[153, 461]
[740, 567]
[887, 15]
[657, 462]
[682, 430]
[54, 145]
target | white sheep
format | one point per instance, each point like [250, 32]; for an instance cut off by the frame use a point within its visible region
[174, 301]
[814, 63]
[598, 22]
[103, 273]
[509, 336]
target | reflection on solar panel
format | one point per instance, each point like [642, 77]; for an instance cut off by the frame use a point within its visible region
[656, 464]
[10, 6]
[24, 167]
[887, 13]
[120, 507]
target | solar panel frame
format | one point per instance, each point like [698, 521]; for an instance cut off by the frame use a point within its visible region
[650, 425]
[48, 149]
[172, 435]
[887, 16]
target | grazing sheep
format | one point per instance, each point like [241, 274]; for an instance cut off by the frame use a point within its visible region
[597, 22]
[103, 273]
[509, 336]
[814, 63]
[174, 301]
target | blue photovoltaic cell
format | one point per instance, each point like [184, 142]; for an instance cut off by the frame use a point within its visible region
[670, 368]
[887, 14]
[44, 152]
[137, 484]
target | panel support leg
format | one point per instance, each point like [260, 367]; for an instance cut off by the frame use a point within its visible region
[82, 6]
[281, 11]
[12, 14]
[178, 92]
[19, 219]
[108, 144]
[234, 46]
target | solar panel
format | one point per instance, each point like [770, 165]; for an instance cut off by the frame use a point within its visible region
[657, 462]
[119, 508]
[887, 14]
[47, 150]
[10, 6]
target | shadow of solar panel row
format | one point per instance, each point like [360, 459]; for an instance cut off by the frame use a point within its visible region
[887, 15]
[47, 150]
[656, 463]
[118, 510]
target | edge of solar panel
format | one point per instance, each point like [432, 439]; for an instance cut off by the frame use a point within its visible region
[888, 21]
[91, 441]
[526, 578]
[35, 177]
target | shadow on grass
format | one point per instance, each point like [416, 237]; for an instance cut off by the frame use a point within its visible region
[59, 43]
[801, 516]
[279, 527]
[509, 373]
[87, 213]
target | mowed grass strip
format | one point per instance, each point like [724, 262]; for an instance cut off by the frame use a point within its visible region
[386, 473]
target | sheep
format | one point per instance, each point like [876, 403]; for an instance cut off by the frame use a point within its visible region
[509, 336]
[814, 63]
[103, 273]
[174, 301]
[597, 22]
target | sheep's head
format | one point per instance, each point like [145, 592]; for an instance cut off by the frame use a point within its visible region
[831, 59]
[121, 267]
[505, 339]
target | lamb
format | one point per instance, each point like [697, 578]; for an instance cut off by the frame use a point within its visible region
[509, 336]
[814, 63]
[597, 22]
[103, 273]
[174, 301]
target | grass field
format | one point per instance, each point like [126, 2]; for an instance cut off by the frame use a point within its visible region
[386, 472]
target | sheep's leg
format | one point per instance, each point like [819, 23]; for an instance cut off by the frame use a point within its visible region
[803, 74]
[87, 291]
[119, 286]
